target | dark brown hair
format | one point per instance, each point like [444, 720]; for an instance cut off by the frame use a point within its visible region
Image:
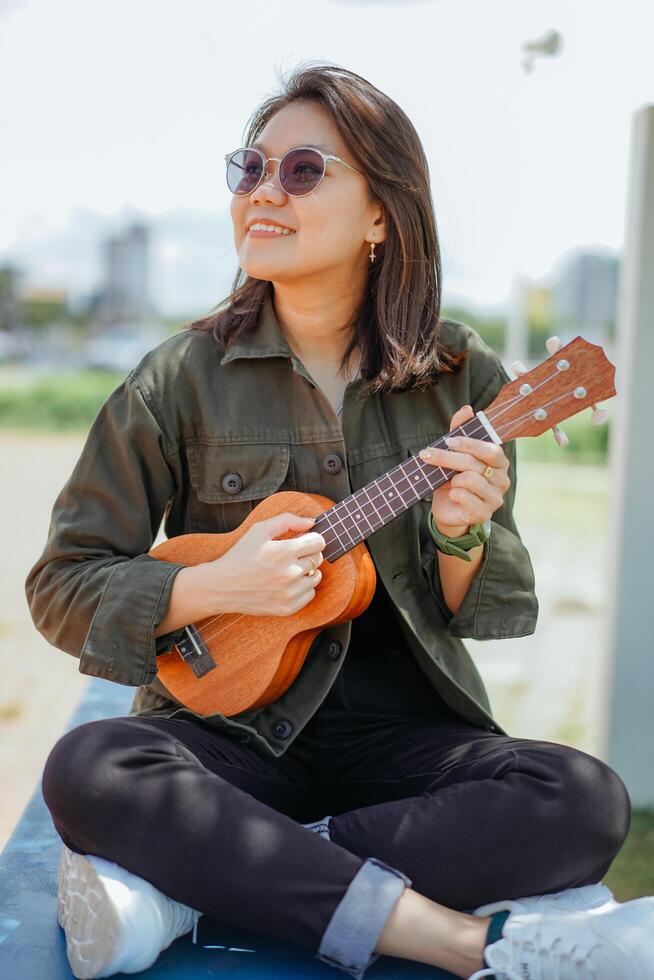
[397, 325]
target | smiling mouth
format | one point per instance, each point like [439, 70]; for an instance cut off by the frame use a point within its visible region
[259, 232]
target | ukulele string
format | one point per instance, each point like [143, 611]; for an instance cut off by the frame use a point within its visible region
[510, 402]
[479, 427]
[421, 465]
[521, 418]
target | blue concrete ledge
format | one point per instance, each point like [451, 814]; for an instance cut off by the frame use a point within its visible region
[33, 946]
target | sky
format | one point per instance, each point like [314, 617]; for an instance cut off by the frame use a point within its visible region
[121, 110]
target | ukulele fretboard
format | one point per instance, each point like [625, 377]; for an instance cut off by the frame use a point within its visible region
[359, 515]
[195, 652]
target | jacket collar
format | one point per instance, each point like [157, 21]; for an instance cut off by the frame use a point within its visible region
[264, 340]
[267, 340]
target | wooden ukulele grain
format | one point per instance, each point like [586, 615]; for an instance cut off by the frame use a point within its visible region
[259, 657]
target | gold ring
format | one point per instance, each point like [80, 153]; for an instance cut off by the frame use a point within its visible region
[488, 472]
[313, 569]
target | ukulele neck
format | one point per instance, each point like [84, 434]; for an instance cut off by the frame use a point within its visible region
[356, 517]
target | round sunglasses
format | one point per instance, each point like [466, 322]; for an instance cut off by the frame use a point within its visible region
[300, 169]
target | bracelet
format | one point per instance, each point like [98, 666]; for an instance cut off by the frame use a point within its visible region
[447, 545]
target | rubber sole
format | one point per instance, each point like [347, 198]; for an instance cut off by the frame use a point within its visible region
[87, 916]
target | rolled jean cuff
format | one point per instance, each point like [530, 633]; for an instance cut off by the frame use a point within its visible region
[359, 918]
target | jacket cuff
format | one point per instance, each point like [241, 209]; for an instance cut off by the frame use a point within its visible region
[500, 602]
[120, 644]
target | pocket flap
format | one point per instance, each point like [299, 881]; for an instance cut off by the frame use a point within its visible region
[262, 468]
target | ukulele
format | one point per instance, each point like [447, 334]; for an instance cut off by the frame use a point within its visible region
[230, 662]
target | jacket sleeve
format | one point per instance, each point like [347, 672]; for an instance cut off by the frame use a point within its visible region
[501, 601]
[94, 592]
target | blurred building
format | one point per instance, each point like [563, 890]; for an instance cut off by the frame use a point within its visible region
[539, 304]
[585, 293]
[125, 291]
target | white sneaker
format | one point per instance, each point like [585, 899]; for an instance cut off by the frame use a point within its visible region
[611, 942]
[320, 826]
[569, 900]
[115, 922]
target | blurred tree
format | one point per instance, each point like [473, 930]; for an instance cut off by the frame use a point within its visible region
[491, 329]
[9, 306]
[43, 307]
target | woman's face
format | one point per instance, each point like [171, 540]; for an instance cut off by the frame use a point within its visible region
[330, 224]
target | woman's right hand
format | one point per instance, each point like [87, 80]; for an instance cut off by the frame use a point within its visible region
[260, 576]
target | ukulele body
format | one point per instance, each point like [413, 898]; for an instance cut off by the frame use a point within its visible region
[257, 658]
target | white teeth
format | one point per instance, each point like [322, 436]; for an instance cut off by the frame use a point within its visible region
[276, 228]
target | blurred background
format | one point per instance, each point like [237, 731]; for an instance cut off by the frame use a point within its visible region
[115, 232]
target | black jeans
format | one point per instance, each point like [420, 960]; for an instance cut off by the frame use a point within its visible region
[417, 796]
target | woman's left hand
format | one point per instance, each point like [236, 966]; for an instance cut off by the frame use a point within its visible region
[469, 497]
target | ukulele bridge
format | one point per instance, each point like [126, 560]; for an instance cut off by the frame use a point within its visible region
[194, 652]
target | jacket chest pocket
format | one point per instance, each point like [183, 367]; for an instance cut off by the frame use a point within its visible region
[229, 479]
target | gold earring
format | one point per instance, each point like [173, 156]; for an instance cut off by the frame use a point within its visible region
[372, 251]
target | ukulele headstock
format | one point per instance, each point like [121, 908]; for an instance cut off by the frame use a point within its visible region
[577, 376]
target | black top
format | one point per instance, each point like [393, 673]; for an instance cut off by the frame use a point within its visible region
[377, 628]
[381, 675]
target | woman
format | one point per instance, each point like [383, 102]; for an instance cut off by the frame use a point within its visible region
[327, 365]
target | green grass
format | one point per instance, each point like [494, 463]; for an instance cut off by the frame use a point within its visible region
[563, 495]
[588, 443]
[632, 873]
[67, 401]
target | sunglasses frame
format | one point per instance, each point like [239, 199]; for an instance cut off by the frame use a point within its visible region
[326, 157]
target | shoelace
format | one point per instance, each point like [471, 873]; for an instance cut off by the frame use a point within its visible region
[179, 917]
[552, 963]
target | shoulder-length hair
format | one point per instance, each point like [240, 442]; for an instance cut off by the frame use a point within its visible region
[397, 325]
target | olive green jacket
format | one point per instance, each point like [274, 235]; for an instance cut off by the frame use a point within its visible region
[196, 435]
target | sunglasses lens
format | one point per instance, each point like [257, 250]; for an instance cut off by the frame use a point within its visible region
[244, 170]
[301, 171]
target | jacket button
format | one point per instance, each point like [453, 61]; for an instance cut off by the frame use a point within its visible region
[231, 483]
[333, 463]
[282, 728]
[334, 650]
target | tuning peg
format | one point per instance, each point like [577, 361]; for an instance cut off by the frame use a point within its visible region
[599, 415]
[518, 368]
[560, 436]
[553, 344]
